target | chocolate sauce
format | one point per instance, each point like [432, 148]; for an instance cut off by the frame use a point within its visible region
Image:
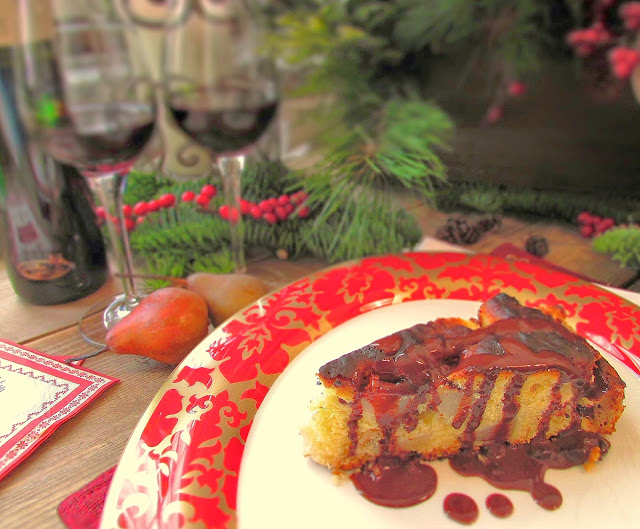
[399, 372]
[461, 508]
[522, 467]
[499, 505]
[394, 482]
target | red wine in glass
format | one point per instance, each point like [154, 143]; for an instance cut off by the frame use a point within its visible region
[100, 136]
[228, 130]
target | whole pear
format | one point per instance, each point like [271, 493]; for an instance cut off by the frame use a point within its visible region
[226, 294]
[165, 326]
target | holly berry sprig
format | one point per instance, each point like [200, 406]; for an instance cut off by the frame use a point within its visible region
[622, 55]
[591, 225]
[270, 210]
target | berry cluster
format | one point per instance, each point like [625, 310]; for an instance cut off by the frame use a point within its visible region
[495, 112]
[630, 15]
[587, 40]
[623, 61]
[591, 225]
[622, 58]
[270, 210]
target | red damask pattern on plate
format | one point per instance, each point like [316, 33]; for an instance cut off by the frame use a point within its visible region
[181, 467]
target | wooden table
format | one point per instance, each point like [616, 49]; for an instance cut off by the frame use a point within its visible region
[90, 443]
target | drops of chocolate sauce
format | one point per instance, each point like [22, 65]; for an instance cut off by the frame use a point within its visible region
[499, 505]
[461, 508]
[393, 482]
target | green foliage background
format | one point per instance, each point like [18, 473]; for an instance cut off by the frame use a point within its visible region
[379, 130]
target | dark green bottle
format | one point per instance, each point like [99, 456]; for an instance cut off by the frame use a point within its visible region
[53, 248]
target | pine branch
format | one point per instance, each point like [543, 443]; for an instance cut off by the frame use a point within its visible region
[623, 244]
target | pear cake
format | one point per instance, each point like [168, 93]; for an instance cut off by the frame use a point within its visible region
[514, 375]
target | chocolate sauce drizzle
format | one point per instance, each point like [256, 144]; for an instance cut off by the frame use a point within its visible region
[400, 371]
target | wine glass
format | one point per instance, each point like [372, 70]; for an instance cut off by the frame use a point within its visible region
[87, 98]
[221, 89]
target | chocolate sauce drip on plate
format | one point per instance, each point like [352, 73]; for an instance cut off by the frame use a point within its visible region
[499, 505]
[461, 508]
[394, 482]
[522, 467]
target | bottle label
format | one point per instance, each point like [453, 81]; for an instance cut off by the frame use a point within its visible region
[34, 256]
[45, 269]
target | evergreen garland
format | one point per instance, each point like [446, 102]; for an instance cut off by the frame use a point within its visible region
[557, 205]
[185, 238]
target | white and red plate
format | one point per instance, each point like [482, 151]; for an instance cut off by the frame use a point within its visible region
[219, 445]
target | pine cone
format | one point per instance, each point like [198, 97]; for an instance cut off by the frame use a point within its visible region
[537, 246]
[458, 230]
[488, 222]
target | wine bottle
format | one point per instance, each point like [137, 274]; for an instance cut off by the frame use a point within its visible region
[53, 247]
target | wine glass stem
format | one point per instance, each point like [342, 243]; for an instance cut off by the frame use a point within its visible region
[231, 170]
[108, 188]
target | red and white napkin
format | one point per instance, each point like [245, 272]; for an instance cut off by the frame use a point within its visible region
[37, 394]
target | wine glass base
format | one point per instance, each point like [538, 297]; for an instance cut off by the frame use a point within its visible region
[97, 321]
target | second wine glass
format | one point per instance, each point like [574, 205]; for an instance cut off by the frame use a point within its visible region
[88, 99]
[221, 89]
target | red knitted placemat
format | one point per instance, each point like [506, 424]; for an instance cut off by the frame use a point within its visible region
[83, 509]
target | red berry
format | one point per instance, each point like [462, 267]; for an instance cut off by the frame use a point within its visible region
[245, 206]
[288, 208]
[281, 213]
[516, 88]
[585, 217]
[101, 213]
[621, 70]
[304, 212]
[203, 200]
[284, 199]
[224, 211]
[141, 208]
[167, 200]
[595, 219]
[140, 219]
[629, 9]
[494, 114]
[255, 212]
[630, 14]
[188, 196]
[209, 190]
[127, 210]
[129, 224]
[586, 230]
[604, 225]
[265, 205]
[154, 205]
[270, 217]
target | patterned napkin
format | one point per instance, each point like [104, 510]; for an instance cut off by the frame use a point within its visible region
[37, 394]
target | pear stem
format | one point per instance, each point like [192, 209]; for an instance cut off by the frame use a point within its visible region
[84, 357]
